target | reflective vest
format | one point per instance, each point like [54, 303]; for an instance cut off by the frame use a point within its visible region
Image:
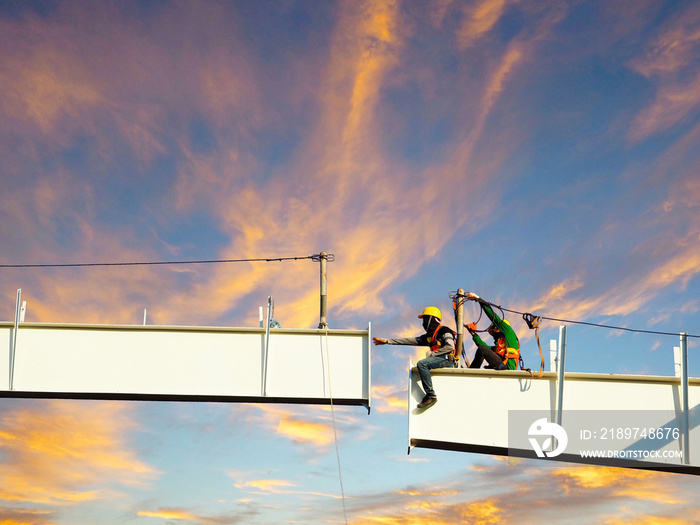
[505, 352]
[435, 340]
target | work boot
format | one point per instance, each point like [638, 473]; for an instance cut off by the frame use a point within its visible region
[428, 401]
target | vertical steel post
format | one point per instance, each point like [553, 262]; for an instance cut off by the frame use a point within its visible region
[560, 372]
[267, 347]
[685, 420]
[553, 357]
[323, 258]
[13, 350]
[459, 319]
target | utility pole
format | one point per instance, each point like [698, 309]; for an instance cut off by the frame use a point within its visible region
[323, 259]
[459, 320]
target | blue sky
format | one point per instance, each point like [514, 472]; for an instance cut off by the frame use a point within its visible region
[543, 154]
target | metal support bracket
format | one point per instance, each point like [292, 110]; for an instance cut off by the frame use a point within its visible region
[684, 412]
[560, 372]
[13, 348]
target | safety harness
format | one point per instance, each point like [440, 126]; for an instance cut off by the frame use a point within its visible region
[506, 352]
[435, 342]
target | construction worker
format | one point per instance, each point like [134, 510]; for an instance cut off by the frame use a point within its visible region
[441, 341]
[505, 353]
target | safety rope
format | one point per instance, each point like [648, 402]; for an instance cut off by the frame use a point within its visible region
[533, 322]
[335, 433]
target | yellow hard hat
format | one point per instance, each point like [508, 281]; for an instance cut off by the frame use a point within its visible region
[494, 326]
[431, 310]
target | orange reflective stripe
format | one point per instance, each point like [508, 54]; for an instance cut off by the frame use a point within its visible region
[434, 343]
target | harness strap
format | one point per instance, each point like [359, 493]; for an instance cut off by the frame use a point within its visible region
[534, 322]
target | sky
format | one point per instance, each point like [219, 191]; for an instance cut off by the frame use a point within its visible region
[542, 154]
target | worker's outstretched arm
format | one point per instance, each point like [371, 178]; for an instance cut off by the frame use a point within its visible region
[408, 341]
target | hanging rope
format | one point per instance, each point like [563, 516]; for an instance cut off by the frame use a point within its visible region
[533, 322]
[335, 433]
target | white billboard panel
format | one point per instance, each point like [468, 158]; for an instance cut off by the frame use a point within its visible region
[185, 363]
[610, 416]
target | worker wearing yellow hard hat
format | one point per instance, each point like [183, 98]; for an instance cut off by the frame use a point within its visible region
[441, 341]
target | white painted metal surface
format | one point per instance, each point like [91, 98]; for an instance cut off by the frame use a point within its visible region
[185, 363]
[472, 413]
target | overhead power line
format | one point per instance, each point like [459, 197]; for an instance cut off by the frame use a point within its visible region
[611, 327]
[315, 257]
[455, 296]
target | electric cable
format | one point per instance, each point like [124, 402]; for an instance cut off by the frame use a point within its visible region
[462, 297]
[611, 327]
[315, 257]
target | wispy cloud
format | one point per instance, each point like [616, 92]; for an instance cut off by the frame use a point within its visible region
[63, 453]
[18, 516]
[389, 398]
[479, 18]
[525, 493]
[180, 514]
[310, 428]
[338, 190]
[273, 486]
[670, 63]
[170, 514]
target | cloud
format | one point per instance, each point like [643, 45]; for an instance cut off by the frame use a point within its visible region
[341, 187]
[170, 514]
[303, 431]
[389, 399]
[268, 485]
[309, 427]
[574, 299]
[63, 453]
[523, 493]
[179, 514]
[273, 486]
[43, 81]
[18, 516]
[479, 18]
[338, 192]
[674, 104]
[670, 62]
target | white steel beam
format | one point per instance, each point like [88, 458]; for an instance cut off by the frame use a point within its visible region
[138, 362]
[474, 407]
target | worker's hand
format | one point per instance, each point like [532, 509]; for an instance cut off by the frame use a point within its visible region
[471, 327]
[472, 296]
[379, 341]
